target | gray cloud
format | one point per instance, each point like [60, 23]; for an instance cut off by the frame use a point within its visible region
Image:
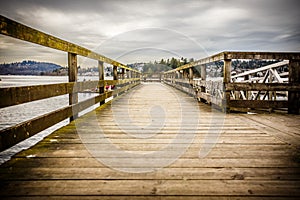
[184, 28]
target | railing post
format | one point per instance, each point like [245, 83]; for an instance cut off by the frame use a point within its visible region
[294, 77]
[191, 75]
[101, 78]
[203, 79]
[128, 74]
[226, 79]
[115, 72]
[247, 93]
[123, 73]
[115, 77]
[174, 77]
[73, 97]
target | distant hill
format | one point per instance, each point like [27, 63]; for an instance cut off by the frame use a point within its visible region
[28, 68]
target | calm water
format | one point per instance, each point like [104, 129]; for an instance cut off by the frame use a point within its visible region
[13, 115]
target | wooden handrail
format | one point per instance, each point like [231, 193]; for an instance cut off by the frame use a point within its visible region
[240, 55]
[18, 95]
[17, 30]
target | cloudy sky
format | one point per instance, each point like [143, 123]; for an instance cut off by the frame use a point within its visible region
[147, 30]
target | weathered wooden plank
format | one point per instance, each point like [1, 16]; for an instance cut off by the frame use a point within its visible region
[72, 75]
[261, 55]
[42, 173]
[258, 104]
[226, 147]
[101, 78]
[18, 95]
[263, 86]
[294, 96]
[149, 197]
[94, 139]
[152, 187]
[234, 152]
[219, 162]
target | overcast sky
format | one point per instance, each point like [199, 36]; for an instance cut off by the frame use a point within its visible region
[134, 31]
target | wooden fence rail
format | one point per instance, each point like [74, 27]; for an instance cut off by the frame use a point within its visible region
[18, 95]
[251, 92]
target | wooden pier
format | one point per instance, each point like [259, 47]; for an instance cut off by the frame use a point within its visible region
[253, 157]
[177, 138]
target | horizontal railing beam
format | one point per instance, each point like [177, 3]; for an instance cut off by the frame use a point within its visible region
[257, 104]
[261, 55]
[262, 87]
[18, 95]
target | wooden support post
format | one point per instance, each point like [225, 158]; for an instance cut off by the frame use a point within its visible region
[174, 77]
[203, 78]
[123, 73]
[73, 97]
[115, 72]
[191, 75]
[128, 74]
[115, 77]
[101, 78]
[247, 79]
[184, 74]
[226, 79]
[294, 77]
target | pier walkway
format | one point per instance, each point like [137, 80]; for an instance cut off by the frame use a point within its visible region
[187, 136]
[212, 155]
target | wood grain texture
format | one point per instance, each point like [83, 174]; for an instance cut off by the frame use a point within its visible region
[254, 157]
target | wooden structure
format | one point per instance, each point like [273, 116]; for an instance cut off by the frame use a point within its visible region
[17, 95]
[152, 77]
[245, 156]
[253, 158]
[226, 93]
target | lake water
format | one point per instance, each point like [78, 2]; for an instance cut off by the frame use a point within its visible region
[13, 115]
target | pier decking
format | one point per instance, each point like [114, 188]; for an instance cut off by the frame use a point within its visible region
[255, 156]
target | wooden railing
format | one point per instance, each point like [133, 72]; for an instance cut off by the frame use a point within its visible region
[152, 77]
[125, 79]
[271, 91]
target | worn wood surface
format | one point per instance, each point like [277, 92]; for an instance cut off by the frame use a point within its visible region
[254, 156]
[12, 135]
[18, 95]
[240, 55]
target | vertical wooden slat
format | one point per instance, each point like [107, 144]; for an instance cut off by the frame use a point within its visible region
[191, 75]
[294, 77]
[115, 72]
[73, 97]
[128, 74]
[101, 78]
[203, 78]
[247, 93]
[123, 74]
[115, 77]
[226, 79]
